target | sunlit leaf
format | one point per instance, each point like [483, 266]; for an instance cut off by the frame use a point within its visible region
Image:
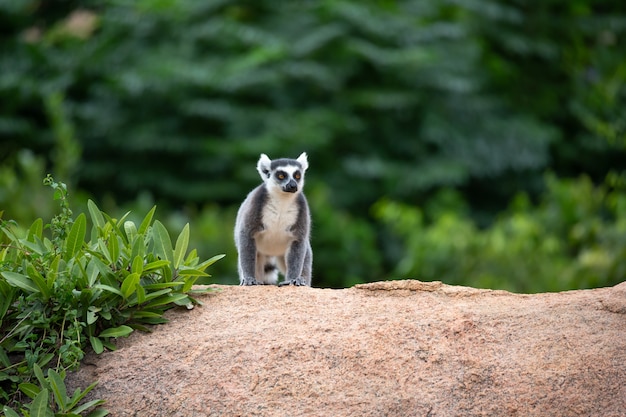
[131, 231]
[129, 283]
[141, 294]
[155, 265]
[162, 242]
[36, 230]
[137, 265]
[96, 216]
[143, 227]
[119, 331]
[76, 237]
[114, 248]
[210, 262]
[181, 246]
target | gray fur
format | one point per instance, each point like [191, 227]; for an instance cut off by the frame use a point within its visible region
[272, 230]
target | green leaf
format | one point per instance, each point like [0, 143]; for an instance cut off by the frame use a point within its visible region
[7, 298]
[181, 246]
[58, 389]
[76, 237]
[4, 358]
[92, 317]
[131, 231]
[88, 405]
[166, 299]
[102, 247]
[9, 412]
[96, 214]
[98, 413]
[43, 360]
[78, 396]
[192, 257]
[128, 286]
[189, 281]
[151, 320]
[145, 314]
[30, 390]
[39, 406]
[184, 302]
[93, 269]
[39, 375]
[21, 281]
[36, 230]
[162, 242]
[210, 261]
[39, 281]
[146, 221]
[162, 285]
[141, 294]
[36, 246]
[193, 272]
[137, 266]
[53, 271]
[155, 265]
[109, 345]
[155, 294]
[109, 289]
[139, 248]
[114, 225]
[122, 220]
[96, 344]
[119, 331]
[114, 248]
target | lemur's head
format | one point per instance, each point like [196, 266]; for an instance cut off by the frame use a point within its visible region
[283, 174]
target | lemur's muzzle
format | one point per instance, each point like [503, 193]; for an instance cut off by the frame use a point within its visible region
[290, 187]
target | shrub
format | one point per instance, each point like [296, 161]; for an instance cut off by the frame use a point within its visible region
[574, 238]
[60, 295]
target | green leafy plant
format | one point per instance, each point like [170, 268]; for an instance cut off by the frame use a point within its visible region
[573, 238]
[64, 291]
[53, 386]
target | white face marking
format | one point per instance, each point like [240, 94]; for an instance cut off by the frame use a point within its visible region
[290, 169]
[277, 183]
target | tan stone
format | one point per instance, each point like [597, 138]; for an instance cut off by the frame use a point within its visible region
[397, 348]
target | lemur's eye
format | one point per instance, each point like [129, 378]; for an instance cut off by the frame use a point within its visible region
[280, 176]
[297, 175]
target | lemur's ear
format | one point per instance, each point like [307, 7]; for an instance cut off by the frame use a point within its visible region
[303, 161]
[263, 166]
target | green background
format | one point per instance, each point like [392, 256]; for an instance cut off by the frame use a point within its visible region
[475, 142]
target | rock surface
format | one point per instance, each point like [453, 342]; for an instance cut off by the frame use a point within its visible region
[397, 348]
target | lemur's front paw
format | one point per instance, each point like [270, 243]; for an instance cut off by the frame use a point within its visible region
[300, 282]
[249, 281]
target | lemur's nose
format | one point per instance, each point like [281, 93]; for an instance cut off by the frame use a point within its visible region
[291, 187]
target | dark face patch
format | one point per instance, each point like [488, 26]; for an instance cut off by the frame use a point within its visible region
[288, 177]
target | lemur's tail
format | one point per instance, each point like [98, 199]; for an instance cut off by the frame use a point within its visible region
[271, 271]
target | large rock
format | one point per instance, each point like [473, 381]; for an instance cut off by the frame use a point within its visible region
[398, 348]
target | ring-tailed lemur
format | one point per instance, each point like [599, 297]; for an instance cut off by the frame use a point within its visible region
[273, 226]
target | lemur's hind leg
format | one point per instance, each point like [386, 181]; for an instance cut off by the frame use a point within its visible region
[299, 260]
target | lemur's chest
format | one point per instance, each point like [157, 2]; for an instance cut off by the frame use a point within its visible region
[278, 216]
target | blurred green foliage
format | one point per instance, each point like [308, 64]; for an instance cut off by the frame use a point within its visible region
[424, 105]
[574, 238]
